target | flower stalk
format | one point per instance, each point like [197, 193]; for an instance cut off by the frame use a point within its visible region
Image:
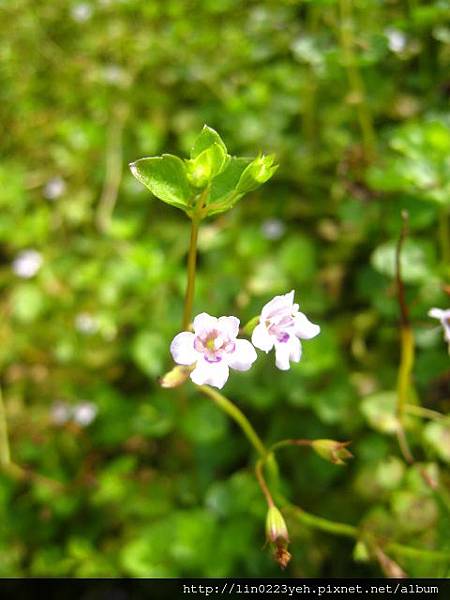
[191, 271]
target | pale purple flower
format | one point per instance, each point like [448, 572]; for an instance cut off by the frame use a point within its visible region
[27, 263]
[84, 413]
[272, 229]
[281, 325]
[444, 318]
[54, 188]
[60, 412]
[86, 323]
[214, 349]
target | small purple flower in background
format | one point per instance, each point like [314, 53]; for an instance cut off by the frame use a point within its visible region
[281, 325]
[444, 318]
[54, 188]
[60, 412]
[86, 323]
[273, 229]
[27, 263]
[214, 349]
[84, 413]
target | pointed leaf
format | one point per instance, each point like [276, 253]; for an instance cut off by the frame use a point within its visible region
[223, 192]
[165, 176]
[207, 138]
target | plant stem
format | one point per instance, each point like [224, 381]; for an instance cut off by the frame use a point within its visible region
[267, 457]
[354, 77]
[444, 235]
[192, 264]
[5, 453]
[406, 346]
[262, 482]
[113, 169]
[426, 413]
[349, 531]
[237, 415]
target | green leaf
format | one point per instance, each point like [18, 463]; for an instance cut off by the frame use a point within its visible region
[207, 138]
[223, 194]
[206, 165]
[416, 260]
[380, 411]
[165, 176]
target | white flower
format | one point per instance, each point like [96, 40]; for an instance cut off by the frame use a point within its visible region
[81, 12]
[281, 325]
[60, 412]
[86, 323]
[396, 39]
[214, 348]
[27, 263]
[272, 229]
[84, 413]
[444, 318]
[54, 188]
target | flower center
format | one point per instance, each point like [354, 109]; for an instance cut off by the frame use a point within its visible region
[213, 345]
[280, 326]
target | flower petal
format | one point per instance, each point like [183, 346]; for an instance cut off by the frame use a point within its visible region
[203, 323]
[182, 348]
[262, 339]
[287, 351]
[243, 356]
[436, 313]
[215, 374]
[304, 329]
[278, 306]
[229, 326]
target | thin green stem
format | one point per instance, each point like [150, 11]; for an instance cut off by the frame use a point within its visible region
[426, 413]
[406, 346]
[262, 482]
[444, 235]
[356, 83]
[5, 453]
[238, 416]
[191, 266]
[349, 531]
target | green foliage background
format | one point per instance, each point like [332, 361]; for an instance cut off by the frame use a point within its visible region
[352, 99]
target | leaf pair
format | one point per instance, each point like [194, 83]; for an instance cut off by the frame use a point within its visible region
[209, 182]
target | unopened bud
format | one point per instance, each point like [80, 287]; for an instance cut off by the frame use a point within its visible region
[256, 173]
[177, 376]
[333, 451]
[276, 529]
[277, 534]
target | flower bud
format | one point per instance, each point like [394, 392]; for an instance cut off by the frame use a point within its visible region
[177, 376]
[256, 173]
[276, 530]
[277, 534]
[205, 166]
[334, 452]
